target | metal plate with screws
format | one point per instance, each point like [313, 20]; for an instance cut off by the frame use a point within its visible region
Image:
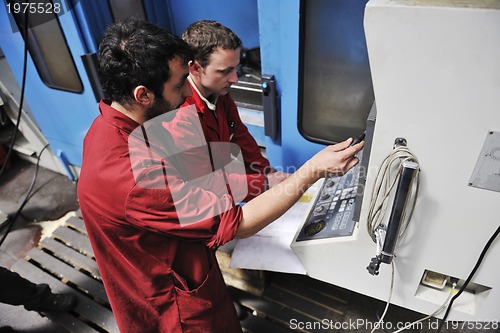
[486, 174]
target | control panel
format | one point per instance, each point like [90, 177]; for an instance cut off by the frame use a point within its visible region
[332, 213]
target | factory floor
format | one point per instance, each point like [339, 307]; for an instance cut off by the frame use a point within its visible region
[286, 299]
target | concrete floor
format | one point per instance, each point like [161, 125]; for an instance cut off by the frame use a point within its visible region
[55, 196]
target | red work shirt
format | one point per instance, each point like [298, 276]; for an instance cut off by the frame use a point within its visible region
[225, 125]
[160, 275]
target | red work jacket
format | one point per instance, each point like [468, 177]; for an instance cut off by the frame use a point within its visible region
[228, 127]
[160, 275]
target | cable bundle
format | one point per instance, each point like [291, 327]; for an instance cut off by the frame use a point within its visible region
[387, 177]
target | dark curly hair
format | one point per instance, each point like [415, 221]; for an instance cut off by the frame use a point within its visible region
[205, 36]
[134, 52]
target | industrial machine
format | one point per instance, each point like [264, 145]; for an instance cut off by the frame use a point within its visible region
[420, 79]
[435, 78]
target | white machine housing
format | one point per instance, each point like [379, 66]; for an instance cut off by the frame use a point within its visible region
[435, 67]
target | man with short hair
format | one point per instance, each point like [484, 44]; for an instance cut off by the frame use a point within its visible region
[212, 72]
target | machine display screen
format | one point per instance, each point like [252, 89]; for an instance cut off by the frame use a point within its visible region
[336, 92]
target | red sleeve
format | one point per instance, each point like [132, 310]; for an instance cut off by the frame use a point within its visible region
[176, 191]
[182, 210]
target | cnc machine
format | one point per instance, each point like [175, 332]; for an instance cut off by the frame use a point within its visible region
[436, 77]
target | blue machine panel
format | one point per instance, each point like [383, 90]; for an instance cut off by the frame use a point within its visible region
[240, 16]
[62, 116]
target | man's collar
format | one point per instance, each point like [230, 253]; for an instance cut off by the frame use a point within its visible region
[210, 105]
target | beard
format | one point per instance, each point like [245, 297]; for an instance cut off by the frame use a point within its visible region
[160, 106]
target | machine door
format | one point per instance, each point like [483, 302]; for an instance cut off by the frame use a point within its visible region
[57, 87]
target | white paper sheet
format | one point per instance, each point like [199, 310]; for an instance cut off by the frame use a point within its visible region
[269, 249]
